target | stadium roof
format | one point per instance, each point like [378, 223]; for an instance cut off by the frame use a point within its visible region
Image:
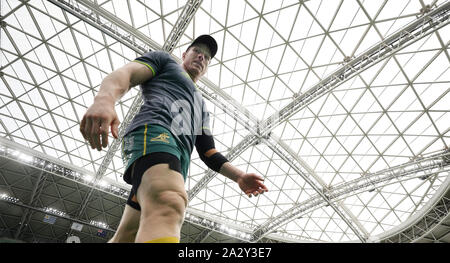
[342, 106]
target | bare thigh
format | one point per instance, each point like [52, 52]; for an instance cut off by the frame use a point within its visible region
[128, 226]
[163, 201]
[160, 179]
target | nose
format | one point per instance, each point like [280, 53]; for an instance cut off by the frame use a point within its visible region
[201, 55]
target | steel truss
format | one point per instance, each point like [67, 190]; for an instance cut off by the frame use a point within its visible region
[51, 166]
[423, 26]
[429, 222]
[429, 23]
[421, 168]
[26, 216]
[406, 36]
[101, 19]
[276, 145]
[419, 227]
[33, 208]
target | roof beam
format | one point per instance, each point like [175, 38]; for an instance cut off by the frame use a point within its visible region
[281, 149]
[310, 177]
[106, 22]
[421, 168]
[423, 224]
[404, 37]
[49, 165]
[244, 117]
[109, 24]
[66, 217]
[103, 20]
[36, 192]
[429, 23]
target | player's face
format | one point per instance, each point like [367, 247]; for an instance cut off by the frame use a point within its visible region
[196, 60]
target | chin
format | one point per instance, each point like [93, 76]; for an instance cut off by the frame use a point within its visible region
[196, 72]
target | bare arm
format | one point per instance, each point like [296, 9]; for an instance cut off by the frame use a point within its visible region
[101, 115]
[250, 183]
[116, 84]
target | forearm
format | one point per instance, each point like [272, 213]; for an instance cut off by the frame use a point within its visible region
[114, 86]
[230, 171]
[214, 159]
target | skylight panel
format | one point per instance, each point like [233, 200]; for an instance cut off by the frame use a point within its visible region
[407, 101]
[203, 23]
[23, 21]
[383, 126]
[367, 103]
[246, 33]
[303, 26]
[280, 19]
[441, 120]
[266, 37]
[435, 71]
[394, 9]
[217, 10]
[383, 116]
[48, 26]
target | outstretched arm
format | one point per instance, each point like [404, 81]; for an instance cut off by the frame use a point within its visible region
[101, 115]
[250, 183]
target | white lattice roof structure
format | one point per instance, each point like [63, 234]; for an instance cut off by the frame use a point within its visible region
[342, 106]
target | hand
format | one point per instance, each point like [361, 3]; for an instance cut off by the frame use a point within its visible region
[96, 122]
[251, 184]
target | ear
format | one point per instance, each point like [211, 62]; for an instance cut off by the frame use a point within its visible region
[183, 56]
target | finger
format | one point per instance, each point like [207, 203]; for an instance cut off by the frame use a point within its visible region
[87, 130]
[260, 178]
[104, 133]
[264, 188]
[82, 126]
[95, 138]
[115, 128]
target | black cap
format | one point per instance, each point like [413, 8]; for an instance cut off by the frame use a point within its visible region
[207, 40]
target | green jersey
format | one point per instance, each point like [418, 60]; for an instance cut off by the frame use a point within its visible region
[171, 100]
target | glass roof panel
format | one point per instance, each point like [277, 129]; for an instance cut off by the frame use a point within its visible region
[270, 54]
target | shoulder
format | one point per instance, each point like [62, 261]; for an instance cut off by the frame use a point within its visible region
[158, 54]
[157, 60]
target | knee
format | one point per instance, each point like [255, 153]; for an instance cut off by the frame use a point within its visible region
[171, 203]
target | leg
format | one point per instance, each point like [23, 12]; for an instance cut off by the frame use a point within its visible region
[163, 201]
[128, 226]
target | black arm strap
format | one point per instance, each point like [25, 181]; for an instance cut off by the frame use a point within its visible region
[205, 143]
[215, 161]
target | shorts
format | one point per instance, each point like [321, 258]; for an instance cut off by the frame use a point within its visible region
[146, 146]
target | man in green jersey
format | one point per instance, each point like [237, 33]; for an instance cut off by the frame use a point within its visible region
[157, 145]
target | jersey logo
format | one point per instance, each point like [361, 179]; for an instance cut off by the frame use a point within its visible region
[161, 138]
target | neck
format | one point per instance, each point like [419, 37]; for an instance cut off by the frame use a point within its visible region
[193, 76]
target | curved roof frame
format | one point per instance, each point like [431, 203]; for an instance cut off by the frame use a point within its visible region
[261, 131]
